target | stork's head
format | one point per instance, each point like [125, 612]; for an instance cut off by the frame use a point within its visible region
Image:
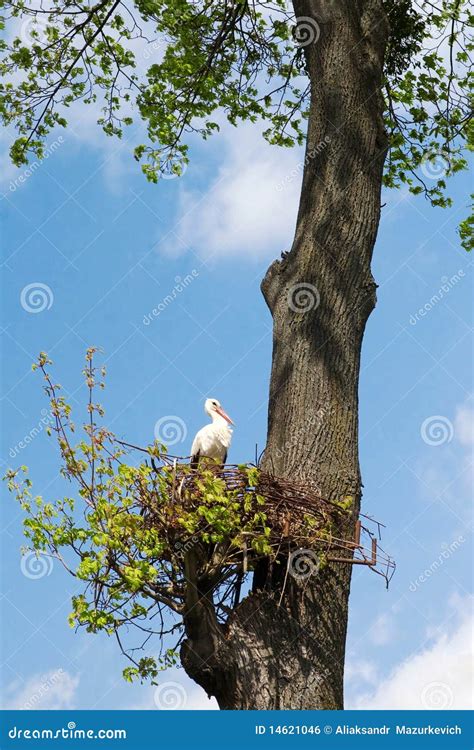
[214, 409]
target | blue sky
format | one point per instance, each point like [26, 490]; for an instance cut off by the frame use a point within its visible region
[108, 248]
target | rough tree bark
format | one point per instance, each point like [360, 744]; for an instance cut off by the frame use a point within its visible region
[290, 655]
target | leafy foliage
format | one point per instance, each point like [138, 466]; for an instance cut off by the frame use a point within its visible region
[429, 97]
[242, 58]
[143, 537]
[214, 54]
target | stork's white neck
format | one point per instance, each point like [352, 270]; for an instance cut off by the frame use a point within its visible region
[218, 420]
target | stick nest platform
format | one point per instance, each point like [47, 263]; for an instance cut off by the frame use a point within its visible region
[246, 514]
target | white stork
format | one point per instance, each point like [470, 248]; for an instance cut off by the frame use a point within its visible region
[213, 440]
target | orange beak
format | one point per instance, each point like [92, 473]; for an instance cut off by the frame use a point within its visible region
[222, 413]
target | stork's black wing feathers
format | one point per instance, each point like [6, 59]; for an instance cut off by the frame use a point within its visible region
[195, 460]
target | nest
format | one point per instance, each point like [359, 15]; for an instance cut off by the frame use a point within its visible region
[297, 517]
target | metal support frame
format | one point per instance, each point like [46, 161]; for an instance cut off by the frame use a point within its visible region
[356, 545]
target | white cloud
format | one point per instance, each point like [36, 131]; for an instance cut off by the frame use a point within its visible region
[175, 691]
[251, 205]
[53, 690]
[116, 156]
[360, 671]
[114, 164]
[446, 469]
[464, 434]
[464, 425]
[439, 676]
[382, 630]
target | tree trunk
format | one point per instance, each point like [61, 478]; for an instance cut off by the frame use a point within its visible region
[289, 654]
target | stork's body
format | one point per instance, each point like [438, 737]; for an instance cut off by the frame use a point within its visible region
[213, 440]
